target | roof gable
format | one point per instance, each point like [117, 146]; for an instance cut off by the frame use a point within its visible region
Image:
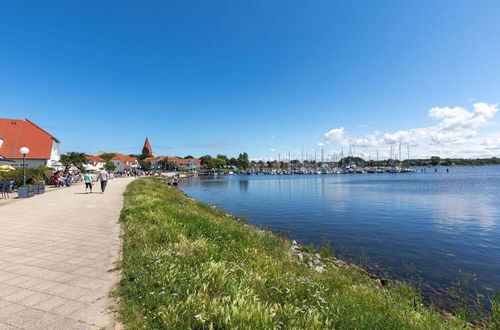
[17, 133]
[124, 158]
[95, 159]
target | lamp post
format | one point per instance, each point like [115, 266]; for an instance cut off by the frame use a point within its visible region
[24, 151]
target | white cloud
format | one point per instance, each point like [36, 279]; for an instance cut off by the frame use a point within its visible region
[336, 134]
[272, 150]
[457, 134]
[457, 117]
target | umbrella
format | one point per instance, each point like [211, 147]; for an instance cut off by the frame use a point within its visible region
[90, 167]
[6, 168]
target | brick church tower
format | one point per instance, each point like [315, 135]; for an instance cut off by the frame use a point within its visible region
[147, 150]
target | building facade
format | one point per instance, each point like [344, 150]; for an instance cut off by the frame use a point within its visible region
[94, 162]
[125, 163]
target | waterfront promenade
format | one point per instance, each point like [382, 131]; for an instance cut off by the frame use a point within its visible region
[58, 252]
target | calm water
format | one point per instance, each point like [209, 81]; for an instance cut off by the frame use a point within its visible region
[424, 226]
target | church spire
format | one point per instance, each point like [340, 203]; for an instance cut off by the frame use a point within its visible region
[147, 150]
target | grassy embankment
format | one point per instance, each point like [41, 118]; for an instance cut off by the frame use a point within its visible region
[187, 265]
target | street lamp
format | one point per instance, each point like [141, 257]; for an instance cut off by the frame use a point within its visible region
[24, 151]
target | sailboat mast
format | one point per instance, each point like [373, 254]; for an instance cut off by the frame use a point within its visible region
[408, 149]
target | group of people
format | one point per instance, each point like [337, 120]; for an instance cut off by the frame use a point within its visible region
[88, 178]
[67, 179]
[62, 180]
[129, 173]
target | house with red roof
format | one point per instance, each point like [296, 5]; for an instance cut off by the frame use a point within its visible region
[124, 162]
[18, 133]
[95, 162]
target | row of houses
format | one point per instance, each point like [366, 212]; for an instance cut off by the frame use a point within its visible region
[42, 148]
[124, 162]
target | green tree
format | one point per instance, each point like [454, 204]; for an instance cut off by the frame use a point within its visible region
[76, 159]
[141, 156]
[168, 165]
[188, 157]
[435, 160]
[109, 166]
[107, 156]
[346, 161]
[243, 161]
[224, 159]
[204, 161]
[146, 166]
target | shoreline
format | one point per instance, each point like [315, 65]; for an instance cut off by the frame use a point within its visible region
[187, 264]
[441, 299]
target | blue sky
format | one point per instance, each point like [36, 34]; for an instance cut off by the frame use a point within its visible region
[265, 77]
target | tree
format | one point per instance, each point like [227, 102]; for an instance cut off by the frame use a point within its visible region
[243, 161]
[107, 156]
[205, 160]
[233, 162]
[346, 161]
[435, 160]
[146, 166]
[167, 165]
[109, 166]
[223, 158]
[188, 157]
[142, 156]
[76, 159]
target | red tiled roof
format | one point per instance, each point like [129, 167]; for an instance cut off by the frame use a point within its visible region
[17, 133]
[124, 158]
[95, 159]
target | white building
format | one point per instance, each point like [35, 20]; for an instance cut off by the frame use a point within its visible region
[94, 163]
[18, 133]
[124, 162]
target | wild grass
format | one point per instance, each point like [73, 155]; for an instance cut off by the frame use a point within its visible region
[189, 266]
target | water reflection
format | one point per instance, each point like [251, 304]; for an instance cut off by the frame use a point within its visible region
[243, 185]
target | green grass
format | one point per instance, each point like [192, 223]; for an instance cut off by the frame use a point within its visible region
[189, 266]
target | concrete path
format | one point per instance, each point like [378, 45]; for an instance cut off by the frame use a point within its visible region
[57, 254]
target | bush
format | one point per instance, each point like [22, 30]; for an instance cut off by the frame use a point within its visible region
[33, 175]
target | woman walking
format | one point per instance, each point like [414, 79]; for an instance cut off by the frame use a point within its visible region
[87, 177]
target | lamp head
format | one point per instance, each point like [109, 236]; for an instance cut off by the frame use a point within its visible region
[24, 150]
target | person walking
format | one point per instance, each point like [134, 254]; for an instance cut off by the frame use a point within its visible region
[87, 177]
[103, 176]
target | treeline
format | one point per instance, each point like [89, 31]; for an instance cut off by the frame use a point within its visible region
[433, 161]
[221, 161]
[358, 161]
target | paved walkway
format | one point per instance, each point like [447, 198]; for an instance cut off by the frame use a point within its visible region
[57, 252]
